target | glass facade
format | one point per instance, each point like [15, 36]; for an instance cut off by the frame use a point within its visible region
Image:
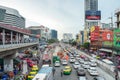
[53, 34]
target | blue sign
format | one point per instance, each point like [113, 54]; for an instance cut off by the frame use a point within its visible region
[92, 15]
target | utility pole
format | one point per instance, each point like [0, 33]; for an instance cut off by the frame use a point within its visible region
[111, 18]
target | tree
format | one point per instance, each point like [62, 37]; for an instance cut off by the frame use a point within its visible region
[52, 41]
[86, 45]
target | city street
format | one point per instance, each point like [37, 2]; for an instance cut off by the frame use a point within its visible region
[74, 76]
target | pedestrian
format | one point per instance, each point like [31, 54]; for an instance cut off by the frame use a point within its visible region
[53, 71]
[61, 72]
[116, 76]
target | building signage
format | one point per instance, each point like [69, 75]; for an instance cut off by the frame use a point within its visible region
[117, 37]
[94, 35]
[107, 43]
[92, 15]
[107, 35]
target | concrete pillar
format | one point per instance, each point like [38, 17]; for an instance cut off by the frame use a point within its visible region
[8, 64]
[17, 38]
[25, 67]
[3, 37]
[11, 35]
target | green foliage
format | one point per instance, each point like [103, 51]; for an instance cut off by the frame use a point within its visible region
[52, 41]
[74, 43]
[86, 45]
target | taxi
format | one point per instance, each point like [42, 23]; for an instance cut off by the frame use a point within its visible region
[35, 68]
[67, 70]
[31, 75]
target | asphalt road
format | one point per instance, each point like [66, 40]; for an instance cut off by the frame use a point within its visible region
[73, 75]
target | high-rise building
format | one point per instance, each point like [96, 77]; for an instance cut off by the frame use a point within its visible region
[91, 5]
[117, 12]
[53, 34]
[11, 17]
[40, 31]
[92, 16]
[67, 37]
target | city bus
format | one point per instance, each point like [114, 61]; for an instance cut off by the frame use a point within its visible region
[45, 73]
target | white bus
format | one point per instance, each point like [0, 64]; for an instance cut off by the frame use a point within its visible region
[40, 77]
[45, 73]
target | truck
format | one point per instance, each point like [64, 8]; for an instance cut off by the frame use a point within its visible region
[46, 59]
[56, 58]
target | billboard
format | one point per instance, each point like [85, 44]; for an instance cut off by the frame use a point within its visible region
[92, 15]
[107, 35]
[116, 37]
[107, 43]
[94, 33]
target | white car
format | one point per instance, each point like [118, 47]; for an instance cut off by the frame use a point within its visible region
[76, 65]
[92, 60]
[82, 78]
[86, 65]
[57, 64]
[93, 64]
[77, 55]
[64, 62]
[81, 61]
[72, 59]
[93, 71]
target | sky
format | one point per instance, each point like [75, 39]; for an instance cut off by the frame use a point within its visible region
[65, 16]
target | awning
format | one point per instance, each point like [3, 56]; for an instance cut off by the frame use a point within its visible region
[107, 50]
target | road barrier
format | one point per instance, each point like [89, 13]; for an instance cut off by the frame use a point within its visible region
[107, 68]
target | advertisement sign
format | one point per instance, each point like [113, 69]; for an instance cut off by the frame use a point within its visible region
[107, 43]
[92, 15]
[94, 35]
[117, 38]
[107, 36]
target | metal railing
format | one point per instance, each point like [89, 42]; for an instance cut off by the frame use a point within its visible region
[6, 46]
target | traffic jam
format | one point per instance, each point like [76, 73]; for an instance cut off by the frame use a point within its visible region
[74, 61]
[60, 63]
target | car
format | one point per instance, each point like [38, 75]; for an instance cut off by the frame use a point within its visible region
[86, 65]
[76, 65]
[93, 71]
[31, 75]
[78, 58]
[81, 61]
[34, 68]
[77, 55]
[93, 64]
[64, 62]
[72, 59]
[99, 78]
[67, 70]
[92, 60]
[82, 78]
[57, 64]
[80, 72]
